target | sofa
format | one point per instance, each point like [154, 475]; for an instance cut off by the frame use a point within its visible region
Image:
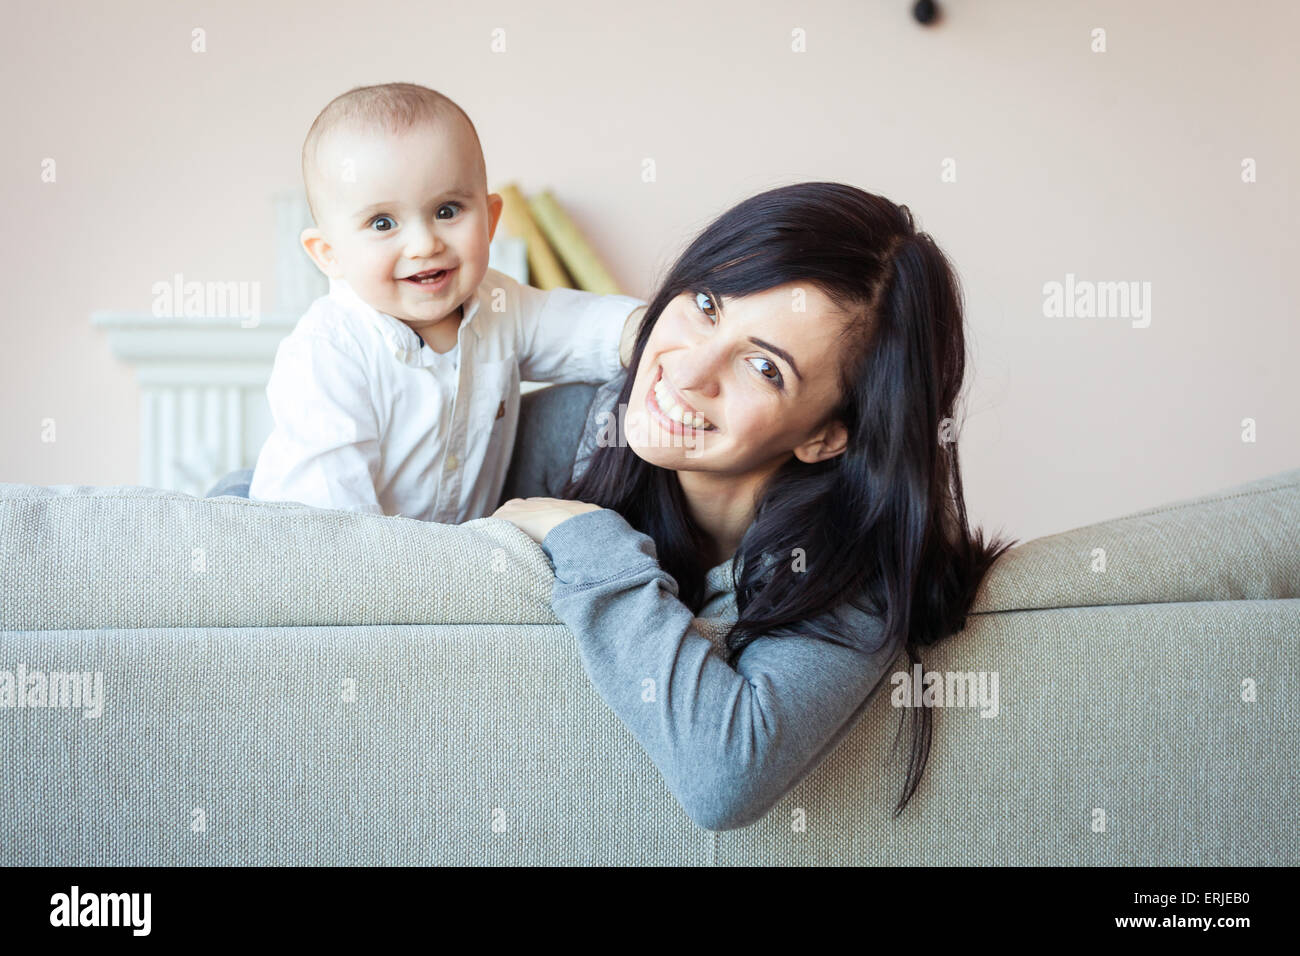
[286, 685]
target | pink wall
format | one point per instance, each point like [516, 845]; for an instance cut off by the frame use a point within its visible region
[1123, 165]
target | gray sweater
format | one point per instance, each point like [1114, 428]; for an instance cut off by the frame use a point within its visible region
[729, 742]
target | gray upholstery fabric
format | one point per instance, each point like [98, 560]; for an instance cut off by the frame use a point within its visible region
[1133, 710]
[328, 687]
[77, 557]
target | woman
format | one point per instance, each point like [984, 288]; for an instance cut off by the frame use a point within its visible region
[808, 485]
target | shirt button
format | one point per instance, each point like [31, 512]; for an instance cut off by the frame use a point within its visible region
[451, 462]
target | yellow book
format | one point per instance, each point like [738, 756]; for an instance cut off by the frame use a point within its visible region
[576, 253]
[544, 268]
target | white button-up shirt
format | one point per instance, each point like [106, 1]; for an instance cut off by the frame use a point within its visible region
[369, 418]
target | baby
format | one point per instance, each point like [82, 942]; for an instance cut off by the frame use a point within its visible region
[398, 392]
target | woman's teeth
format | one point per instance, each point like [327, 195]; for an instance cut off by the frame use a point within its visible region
[677, 413]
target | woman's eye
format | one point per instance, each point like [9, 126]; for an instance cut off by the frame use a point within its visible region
[454, 206]
[775, 380]
[378, 219]
[705, 304]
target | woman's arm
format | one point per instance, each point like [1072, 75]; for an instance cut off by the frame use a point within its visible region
[729, 742]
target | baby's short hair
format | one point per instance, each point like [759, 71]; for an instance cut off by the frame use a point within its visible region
[389, 108]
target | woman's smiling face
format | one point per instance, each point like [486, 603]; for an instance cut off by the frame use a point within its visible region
[762, 370]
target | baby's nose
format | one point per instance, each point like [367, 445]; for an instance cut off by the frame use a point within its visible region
[422, 241]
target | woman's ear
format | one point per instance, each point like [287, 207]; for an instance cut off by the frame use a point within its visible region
[830, 441]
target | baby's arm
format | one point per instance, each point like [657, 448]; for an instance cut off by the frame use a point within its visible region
[630, 328]
[324, 449]
[571, 336]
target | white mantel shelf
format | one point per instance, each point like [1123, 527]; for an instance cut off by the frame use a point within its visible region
[143, 339]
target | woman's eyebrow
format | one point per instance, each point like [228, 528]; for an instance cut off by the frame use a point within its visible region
[779, 351]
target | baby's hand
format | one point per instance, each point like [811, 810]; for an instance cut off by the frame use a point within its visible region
[537, 516]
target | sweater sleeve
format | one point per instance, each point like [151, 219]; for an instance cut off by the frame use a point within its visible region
[729, 742]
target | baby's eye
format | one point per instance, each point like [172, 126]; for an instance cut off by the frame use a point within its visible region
[454, 206]
[379, 219]
[704, 303]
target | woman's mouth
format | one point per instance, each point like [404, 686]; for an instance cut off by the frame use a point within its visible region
[434, 280]
[665, 409]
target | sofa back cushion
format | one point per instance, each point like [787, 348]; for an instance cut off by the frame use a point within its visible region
[127, 556]
[1242, 543]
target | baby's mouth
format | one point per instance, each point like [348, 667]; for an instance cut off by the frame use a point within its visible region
[431, 277]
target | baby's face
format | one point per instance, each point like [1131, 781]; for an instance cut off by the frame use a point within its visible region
[394, 207]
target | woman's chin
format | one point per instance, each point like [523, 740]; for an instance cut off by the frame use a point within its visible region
[678, 457]
[659, 457]
[644, 449]
[640, 451]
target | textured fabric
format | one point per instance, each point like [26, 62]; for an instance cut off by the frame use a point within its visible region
[91, 556]
[471, 696]
[451, 730]
[1133, 710]
[367, 418]
[729, 741]
[1242, 543]
[67, 549]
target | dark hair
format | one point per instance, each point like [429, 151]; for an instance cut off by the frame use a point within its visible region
[884, 522]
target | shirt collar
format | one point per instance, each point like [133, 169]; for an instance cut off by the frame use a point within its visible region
[398, 336]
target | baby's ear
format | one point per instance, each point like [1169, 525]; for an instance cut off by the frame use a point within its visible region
[321, 252]
[494, 206]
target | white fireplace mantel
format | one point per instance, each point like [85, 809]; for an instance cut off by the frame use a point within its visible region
[203, 408]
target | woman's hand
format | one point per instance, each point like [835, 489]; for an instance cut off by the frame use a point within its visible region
[537, 516]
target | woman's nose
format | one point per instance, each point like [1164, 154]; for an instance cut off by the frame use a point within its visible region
[699, 368]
